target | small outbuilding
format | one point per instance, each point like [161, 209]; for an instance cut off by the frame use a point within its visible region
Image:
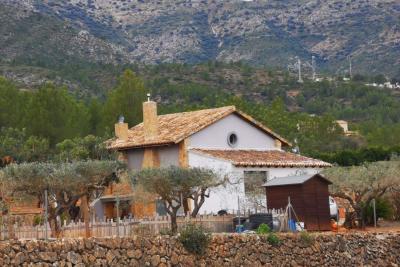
[309, 196]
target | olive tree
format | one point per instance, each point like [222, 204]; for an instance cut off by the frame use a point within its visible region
[360, 184]
[66, 183]
[175, 186]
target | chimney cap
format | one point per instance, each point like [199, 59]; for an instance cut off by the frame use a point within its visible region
[121, 119]
[148, 97]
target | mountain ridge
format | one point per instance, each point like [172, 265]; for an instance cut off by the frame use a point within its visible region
[262, 33]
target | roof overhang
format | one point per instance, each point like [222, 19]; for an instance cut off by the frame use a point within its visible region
[262, 158]
[147, 145]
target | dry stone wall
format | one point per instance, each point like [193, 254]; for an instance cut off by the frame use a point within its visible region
[225, 250]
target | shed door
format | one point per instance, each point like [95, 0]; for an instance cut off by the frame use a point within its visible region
[322, 195]
[310, 206]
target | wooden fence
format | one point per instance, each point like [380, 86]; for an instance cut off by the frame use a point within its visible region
[127, 227]
[121, 228]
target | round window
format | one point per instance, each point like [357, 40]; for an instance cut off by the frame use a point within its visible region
[232, 139]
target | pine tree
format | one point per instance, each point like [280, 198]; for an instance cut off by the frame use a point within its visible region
[56, 115]
[10, 104]
[126, 100]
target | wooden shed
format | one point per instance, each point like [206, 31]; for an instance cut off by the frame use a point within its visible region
[309, 196]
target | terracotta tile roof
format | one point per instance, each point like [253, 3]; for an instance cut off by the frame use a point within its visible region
[173, 128]
[267, 158]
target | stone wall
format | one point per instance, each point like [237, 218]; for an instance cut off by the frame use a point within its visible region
[225, 250]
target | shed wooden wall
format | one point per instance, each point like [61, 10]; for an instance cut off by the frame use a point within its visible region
[309, 200]
[316, 204]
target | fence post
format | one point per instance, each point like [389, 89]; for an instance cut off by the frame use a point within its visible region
[374, 207]
[110, 227]
[238, 216]
[45, 214]
[117, 216]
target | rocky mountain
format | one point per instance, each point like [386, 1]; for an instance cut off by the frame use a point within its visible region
[48, 35]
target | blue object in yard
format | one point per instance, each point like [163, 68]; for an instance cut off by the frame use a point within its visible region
[239, 228]
[292, 225]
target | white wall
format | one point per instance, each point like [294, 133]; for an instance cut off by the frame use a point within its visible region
[215, 136]
[222, 197]
[226, 197]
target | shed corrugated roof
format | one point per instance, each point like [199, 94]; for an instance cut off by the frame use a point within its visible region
[293, 180]
[173, 128]
[265, 158]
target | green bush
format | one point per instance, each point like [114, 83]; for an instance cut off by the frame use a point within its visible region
[166, 231]
[195, 239]
[263, 229]
[306, 239]
[38, 220]
[384, 209]
[273, 239]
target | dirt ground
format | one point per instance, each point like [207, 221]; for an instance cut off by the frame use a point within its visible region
[386, 226]
[382, 227]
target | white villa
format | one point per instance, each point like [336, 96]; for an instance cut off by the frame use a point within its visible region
[222, 139]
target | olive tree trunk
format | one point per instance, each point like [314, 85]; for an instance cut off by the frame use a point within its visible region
[85, 213]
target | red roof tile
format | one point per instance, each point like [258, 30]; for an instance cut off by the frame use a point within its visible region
[267, 158]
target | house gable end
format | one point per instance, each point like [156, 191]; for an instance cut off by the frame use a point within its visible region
[245, 134]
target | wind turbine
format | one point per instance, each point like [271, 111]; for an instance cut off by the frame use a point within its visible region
[313, 67]
[350, 71]
[300, 80]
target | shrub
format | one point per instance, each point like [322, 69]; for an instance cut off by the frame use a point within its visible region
[306, 239]
[38, 220]
[263, 229]
[384, 209]
[194, 239]
[395, 199]
[166, 231]
[273, 239]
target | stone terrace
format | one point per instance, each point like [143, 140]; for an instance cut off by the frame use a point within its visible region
[356, 249]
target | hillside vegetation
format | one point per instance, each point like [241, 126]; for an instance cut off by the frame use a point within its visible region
[52, 119]
[54, 36]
